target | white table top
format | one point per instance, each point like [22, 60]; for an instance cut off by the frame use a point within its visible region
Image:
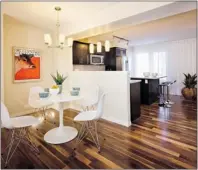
[61, 98]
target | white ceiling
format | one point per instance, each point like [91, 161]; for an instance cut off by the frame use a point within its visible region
[75, 16]
[140, 22]
[176, 27]
[42, 14]
[146, 16]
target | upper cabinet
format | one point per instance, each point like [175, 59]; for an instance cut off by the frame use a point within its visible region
[110, 57]
[120, 51]
[81, 53]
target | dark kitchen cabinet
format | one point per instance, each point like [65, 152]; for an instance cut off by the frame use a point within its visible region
[120, 52]
[135, 100]
[81, 53]
[110, 58]
[110, 61]
[149, 90]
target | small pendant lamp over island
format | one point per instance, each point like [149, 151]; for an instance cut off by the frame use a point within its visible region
[91, 48]
[107, 46]
[99, 47]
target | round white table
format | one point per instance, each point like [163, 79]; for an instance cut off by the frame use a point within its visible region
[62, 133]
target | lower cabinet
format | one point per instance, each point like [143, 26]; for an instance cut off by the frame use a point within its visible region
[135, 101]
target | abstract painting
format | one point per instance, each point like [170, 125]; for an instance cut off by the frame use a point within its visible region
[27, 64]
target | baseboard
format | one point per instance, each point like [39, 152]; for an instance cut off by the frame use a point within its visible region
[127, 124]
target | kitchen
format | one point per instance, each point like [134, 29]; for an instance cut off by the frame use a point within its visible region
[150, 59]
[95, 57]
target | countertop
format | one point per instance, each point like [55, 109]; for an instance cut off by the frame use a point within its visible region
[135, 81]
[142, 77]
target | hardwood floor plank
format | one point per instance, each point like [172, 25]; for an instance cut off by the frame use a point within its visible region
[177, 142]
[102, 159]
[160, 139]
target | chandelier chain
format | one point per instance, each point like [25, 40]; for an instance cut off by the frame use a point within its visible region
[57, 26]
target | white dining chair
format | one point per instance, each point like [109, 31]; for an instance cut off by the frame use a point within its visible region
[37, 104]
[89, 126]
[91, 100]
[18, 128]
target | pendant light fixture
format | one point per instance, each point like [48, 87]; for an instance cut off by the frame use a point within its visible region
[99, 47]
[60, 37]
[91, 48]
[107, 46]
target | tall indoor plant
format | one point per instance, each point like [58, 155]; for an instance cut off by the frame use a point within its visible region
[190, 91]
[59, 79]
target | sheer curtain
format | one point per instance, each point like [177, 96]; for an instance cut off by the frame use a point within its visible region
[142, 63]
[153, 62]
[170, 59]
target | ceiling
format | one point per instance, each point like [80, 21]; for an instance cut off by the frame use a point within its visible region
[75, 16]
[140, 22]
[180, 26]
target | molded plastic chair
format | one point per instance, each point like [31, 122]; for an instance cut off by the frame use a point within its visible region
[90, 101]
[89, 126]
[34, 101]
[20, 124]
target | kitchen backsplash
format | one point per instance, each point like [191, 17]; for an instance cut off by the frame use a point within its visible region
[88, 68]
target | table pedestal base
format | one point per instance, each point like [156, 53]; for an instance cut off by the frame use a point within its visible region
[60, 135]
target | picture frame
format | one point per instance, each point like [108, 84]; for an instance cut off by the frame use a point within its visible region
[27, 64]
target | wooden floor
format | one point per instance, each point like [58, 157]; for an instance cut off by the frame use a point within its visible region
[161, 138]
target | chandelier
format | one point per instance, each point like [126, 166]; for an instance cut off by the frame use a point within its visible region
[59, 37]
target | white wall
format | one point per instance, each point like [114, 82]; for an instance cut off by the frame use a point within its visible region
[129, 54]
[115, 84]
[20, 34]
[181, 58]
[2, 76]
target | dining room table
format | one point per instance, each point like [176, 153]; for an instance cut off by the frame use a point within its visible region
[62, 133]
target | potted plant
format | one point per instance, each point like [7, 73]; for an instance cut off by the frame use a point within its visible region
[190, 91]
[59, 79]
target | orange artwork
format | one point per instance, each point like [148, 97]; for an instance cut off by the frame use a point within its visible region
[27, 64]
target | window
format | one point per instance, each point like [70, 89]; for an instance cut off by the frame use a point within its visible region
[142, 63]
[153, 62]
[159, 63]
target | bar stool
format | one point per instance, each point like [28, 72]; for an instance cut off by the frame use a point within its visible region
[161, 95]
[168, 92]
[165, 99]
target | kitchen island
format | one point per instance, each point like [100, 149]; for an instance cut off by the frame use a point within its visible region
[135, 100]
[149, 88]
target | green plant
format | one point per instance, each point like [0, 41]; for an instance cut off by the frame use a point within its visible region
[190, 81]
[59, 79]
